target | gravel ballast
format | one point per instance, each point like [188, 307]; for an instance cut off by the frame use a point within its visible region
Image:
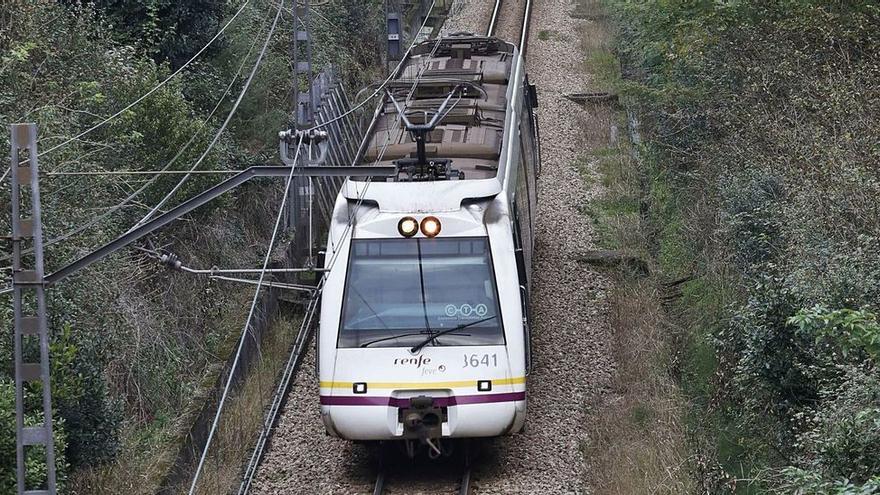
[570, 336]
[468, 16]
[572, 365]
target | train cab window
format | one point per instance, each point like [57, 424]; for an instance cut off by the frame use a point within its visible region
[399, 291]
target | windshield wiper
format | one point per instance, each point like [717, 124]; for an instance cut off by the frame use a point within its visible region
[383, 339]
[418, 347]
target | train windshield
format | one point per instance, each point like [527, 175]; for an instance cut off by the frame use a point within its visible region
[400, 291]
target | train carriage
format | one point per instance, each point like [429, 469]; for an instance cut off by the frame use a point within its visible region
[424, 334]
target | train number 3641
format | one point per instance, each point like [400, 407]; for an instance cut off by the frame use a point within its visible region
[476, 360]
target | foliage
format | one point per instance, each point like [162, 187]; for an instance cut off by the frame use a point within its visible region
[132, 343]
[167, 30]
[35, 466]
[803, 482]
[854, 330]
[761, 175]
[79, 392]
[840, 437]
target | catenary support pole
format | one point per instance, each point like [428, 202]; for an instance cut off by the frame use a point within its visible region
[29, 308]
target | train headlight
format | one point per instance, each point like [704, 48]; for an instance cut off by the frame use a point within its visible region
[430, 226]
[408, 226]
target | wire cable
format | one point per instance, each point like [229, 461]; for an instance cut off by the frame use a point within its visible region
[304, 333]
[381, 86]
[246, 330]
[217, 135]
[156, 88]
[156, 174]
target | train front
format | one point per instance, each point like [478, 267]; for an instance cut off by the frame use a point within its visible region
[421, 333]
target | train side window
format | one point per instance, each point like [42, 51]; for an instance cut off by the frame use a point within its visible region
[527, 131]
[531, 92]
[528, 139]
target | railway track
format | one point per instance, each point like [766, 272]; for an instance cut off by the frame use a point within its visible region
[509, 21]
[383, 479]
[494, 20]
[398, 474]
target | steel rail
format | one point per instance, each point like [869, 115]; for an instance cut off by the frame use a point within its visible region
[494, 21]
[464, 486]
[247, 324]
[307, 329]
[524, 34]
[291, 368]
[379, 486]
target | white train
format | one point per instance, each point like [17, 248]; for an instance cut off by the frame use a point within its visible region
[424, 332]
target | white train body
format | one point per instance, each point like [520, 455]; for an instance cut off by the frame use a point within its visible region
[386, 293]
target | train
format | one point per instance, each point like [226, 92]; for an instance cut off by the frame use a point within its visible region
[424, 330]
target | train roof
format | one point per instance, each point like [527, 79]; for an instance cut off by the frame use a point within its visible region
[471, 132]
[471, 75]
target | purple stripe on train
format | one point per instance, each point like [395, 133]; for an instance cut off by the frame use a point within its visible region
[353, 400]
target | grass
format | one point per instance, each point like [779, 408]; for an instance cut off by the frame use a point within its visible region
[244, 413]
[638, 441]
[149, 448]
[148, 452]
[638, 438]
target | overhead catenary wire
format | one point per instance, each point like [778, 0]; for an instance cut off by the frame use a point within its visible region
[143, 172]
[127, 200]
[247, 325]
[382, 86]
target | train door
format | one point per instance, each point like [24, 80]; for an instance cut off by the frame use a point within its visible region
[525, 206]
[523, 265]
[524, 220]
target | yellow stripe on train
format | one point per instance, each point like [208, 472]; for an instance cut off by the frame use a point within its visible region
[421, 385]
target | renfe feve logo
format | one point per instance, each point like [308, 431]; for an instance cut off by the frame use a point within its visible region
[417, 361]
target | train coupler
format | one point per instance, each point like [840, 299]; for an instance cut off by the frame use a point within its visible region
[423, 422]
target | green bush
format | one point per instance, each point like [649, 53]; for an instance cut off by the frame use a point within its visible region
[854, 331]
[760, 126]
[796, 481]
[91, 418]
[840, 438]
[35, 466]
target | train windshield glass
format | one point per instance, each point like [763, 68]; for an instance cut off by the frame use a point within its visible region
[399, 291]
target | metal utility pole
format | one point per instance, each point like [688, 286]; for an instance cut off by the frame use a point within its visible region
[301, 201]
[29, 280]
[29, 307]
[394, 30]
[303, 101]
